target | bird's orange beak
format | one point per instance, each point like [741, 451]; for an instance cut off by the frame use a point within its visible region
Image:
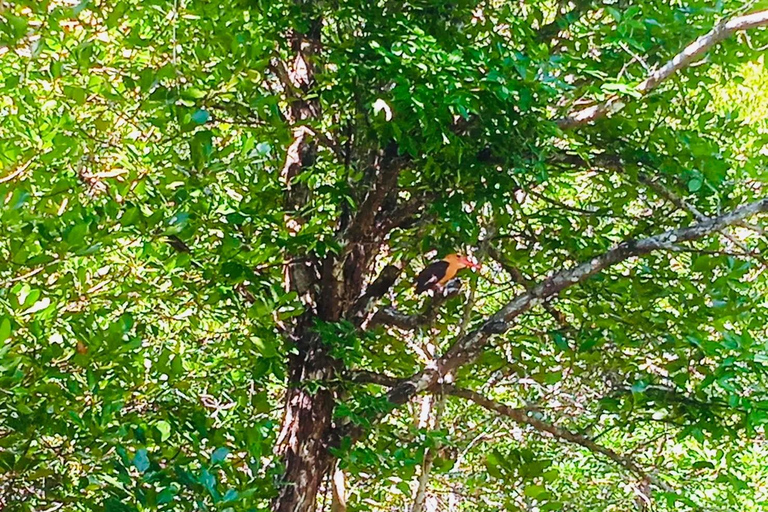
[469, 263]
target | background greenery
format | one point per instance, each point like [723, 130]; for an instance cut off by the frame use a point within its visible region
[142, 240]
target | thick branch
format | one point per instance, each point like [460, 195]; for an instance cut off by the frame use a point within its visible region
[391, 316]
[685, 58]
[375, 290]
[466, 348]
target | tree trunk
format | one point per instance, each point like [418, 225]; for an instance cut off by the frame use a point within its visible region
[306, 432]
[339, 489]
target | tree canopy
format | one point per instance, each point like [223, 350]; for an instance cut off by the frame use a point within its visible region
[212, 214]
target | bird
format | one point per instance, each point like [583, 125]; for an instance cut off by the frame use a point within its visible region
[436, 274]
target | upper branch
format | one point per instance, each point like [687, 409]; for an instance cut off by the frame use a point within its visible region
[552, 29]
[685, 58]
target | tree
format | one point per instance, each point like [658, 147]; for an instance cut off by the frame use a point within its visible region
[213, 212]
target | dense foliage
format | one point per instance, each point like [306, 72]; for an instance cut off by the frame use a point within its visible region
[147, 229]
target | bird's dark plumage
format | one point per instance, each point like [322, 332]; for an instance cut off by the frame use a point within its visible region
[431, 275]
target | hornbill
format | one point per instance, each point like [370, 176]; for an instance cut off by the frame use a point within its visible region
[435, 275]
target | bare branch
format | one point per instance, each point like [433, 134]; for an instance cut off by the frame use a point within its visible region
[685, 58]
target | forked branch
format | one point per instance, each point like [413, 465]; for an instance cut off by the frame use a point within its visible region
[467, 348]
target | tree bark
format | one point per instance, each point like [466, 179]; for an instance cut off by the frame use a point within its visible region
[307, 424]
[306, 428]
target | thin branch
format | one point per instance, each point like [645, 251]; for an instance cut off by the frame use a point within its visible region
[420, 495]
[614, 163]
[520, 415]
[583, 211]
[527, 284]
[684, 205]
[685, 58]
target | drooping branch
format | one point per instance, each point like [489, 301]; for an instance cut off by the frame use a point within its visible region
[467, 348]
[520, 415]
[685, 58]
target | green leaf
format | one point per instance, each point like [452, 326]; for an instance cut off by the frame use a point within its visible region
[201, 148]
[615, 13]
[534, 490]
[76, 235]
[5, 329]
[201, 117]
[164, 428]
[694, 184]
[219, 455]
[141, 460]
